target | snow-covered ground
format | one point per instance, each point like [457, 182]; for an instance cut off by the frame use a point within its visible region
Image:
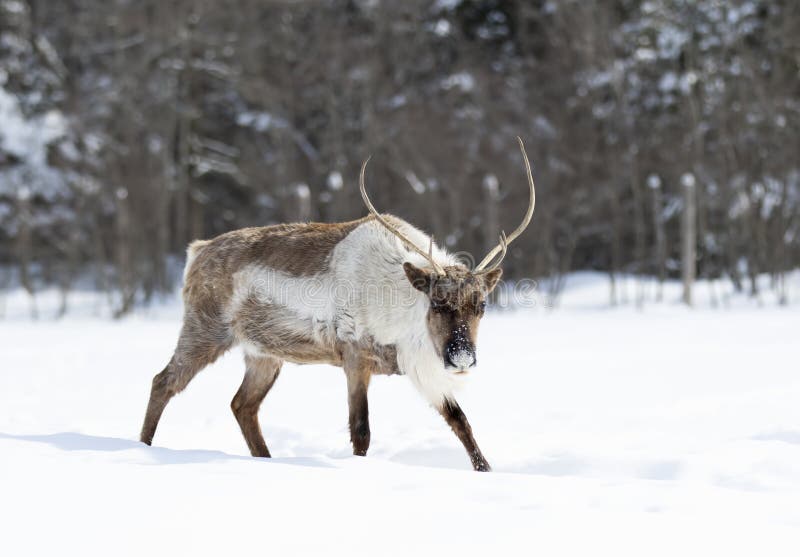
[654, 431]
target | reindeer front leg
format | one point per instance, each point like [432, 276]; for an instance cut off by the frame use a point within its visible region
[358, 373]
[457, 421]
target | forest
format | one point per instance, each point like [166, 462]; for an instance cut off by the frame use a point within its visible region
[663, 133]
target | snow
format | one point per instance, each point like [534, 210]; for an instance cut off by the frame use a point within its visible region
[446, 4]
[671, 41]
[260, 121]
[335, 180]
[668, 82]
[442, 27]
[415, 183]
[28, 139]
[463, 81]
[13, 7]
[660, 431]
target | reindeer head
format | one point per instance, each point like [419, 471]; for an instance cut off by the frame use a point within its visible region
[457, 303]
[457, 295]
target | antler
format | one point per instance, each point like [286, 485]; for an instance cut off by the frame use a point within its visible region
[504, 242]
[503, 245]
[428, 256]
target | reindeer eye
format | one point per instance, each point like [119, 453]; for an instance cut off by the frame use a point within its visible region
[481, 308]
[438, 307]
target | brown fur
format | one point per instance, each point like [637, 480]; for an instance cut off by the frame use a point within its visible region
[383, 359]
[297, 249]
[258, 380]
[457, 301]
[201, 342]
[255, 321]
[358, 367]
[300, 250]
[457, 421]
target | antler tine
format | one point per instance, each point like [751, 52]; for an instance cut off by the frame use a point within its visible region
[504, 247]
[525, 221]
[428, 256]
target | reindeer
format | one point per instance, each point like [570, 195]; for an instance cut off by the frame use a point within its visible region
[360, 295]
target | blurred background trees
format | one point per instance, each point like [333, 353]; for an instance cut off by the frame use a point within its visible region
[128, 128]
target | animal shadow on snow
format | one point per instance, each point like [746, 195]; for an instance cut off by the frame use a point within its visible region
[69, 441]
[786, 436]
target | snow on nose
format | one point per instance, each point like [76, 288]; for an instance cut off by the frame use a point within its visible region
[461, 359]
[460, 352]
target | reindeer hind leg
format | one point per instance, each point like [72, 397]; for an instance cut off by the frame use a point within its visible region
[199, 345]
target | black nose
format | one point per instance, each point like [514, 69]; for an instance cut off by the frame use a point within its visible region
[459, 355]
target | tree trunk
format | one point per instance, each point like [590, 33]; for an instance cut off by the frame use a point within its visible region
[25, 247]
[688, 236]
[491, 227]
[654, 182]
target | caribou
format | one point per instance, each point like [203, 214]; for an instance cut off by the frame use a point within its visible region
[362, 295]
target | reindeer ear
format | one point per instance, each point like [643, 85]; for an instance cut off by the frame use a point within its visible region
[491, 279]
[419, 279]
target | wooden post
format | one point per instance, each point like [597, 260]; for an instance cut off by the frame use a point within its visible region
[301, 195]
[654, 183]
[688, 236]
[24, 245]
